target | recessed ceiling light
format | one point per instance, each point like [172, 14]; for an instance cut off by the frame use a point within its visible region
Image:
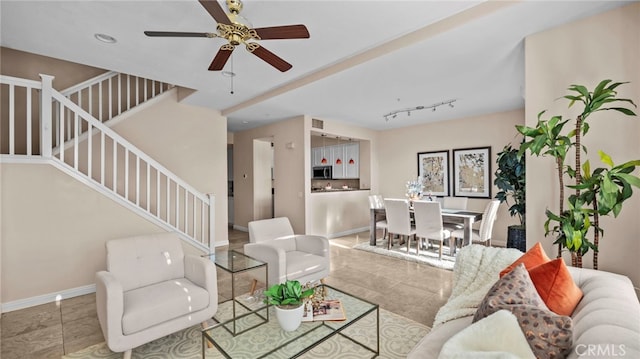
[228, 73]
[106, 38]
[245, 122]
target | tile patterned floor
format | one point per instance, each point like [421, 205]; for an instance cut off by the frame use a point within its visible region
[409, 289]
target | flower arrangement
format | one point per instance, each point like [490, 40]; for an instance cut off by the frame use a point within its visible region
[414, 188]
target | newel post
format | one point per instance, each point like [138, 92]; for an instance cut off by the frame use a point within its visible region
[46, 115]
[212, 222]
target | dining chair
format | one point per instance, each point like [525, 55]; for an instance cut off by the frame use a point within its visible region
[483, 234]
[377, 202]
[399, 220]
[459, 203]
[454, 202]
[428, 219]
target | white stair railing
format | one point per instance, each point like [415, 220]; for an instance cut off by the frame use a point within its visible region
[111, 94]
[98, 156]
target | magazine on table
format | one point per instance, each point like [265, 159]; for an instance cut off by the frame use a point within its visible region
[328, 309]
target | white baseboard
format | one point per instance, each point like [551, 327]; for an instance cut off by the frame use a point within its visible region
[239, 228]
[47, 298]
[346, 233]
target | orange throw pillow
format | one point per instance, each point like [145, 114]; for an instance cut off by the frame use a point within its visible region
[534, 257]
[556, 286]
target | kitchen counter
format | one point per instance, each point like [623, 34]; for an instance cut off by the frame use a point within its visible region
[324, 190]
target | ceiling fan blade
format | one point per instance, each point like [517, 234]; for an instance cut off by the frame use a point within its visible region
[178, 34]
[216, 11]
[283, 32]
[221, 58]
[269, 57]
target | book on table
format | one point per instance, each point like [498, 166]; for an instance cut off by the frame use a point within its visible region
[328, 309]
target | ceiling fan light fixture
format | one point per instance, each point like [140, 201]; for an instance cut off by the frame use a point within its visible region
[105, 38]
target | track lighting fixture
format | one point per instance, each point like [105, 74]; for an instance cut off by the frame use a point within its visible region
[394, 114]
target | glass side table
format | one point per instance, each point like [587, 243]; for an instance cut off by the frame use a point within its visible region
[240, 268]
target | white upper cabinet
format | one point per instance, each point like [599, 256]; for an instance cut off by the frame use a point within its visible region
[352, 160]
[337, 156]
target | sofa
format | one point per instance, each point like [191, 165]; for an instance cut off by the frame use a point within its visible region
[606, 320]
[152, 289]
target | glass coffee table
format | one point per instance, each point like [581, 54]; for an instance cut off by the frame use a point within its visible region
[241, 267]
[360, 331]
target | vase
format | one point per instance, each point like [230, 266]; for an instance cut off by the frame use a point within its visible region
[289, 319]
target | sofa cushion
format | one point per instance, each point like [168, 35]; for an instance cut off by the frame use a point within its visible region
[556, 287]
[496, 336]
[143, 309]
[300, 264]
[533, 257]
[548, 334]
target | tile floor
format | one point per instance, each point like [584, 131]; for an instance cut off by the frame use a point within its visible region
[409, 289]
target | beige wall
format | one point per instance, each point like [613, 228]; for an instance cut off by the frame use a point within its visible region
[191, 142]
[605, 46]
[289, 184]
[53, 228]
[398, 149]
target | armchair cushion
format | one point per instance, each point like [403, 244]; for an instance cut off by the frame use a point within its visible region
[303, 264]
[142, 309]
[152, 258]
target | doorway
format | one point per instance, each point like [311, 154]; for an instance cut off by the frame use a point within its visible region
[263, 194]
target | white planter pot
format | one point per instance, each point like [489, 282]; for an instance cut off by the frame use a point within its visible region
[289, 319]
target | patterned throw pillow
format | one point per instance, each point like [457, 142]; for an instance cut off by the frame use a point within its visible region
[549, 335]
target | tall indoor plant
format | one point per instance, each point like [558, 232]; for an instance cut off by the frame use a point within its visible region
[510, 180]
[598, 192]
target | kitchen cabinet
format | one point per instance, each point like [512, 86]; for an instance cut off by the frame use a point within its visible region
[337, 161]
[345, 161]
[351, 160]
[317, 154]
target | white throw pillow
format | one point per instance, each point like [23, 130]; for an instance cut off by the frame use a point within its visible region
[496, 336]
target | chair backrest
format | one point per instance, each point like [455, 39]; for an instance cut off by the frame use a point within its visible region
[144, 260]
[398, 216]
[376, 201]
[428, 217]
[488, 218]
[266, 229]
[454, 202]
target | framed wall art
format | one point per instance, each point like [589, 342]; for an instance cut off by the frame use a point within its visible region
[433, 170]
[472, 172]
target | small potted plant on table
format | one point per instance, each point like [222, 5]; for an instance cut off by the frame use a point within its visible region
[288, 298]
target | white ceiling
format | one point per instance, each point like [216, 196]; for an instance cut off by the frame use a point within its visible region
[364, 58]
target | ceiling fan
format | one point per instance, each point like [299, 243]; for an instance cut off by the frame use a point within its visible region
[237, 30]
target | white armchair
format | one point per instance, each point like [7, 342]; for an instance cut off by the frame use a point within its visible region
[289, 256]
[151, 289]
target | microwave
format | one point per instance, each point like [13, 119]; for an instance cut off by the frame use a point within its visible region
[322, 172]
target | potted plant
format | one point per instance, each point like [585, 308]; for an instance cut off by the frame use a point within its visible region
[597, 193]
[510, 180]
[288, 298]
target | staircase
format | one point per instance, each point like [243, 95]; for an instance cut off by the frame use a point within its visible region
[71, 131]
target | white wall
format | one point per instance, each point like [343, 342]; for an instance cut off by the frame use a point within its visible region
[605, 46]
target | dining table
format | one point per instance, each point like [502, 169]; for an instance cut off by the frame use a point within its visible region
[467, 218]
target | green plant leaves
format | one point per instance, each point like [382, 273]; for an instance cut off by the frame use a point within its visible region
[287, 293]
[604, 189]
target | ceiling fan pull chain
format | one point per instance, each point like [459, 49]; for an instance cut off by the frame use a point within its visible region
[233, 74]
